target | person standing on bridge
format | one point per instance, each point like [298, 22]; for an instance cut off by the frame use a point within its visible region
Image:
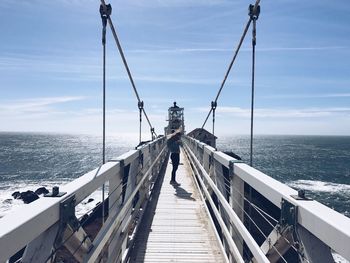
[173, 143]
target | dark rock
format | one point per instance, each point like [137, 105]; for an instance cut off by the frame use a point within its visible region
[41, 190]
[16, 195]
[29, 197]
[90, 200]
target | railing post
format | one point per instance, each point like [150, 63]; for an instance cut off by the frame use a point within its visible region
[115, 191]
[236, 202]
[115, 201]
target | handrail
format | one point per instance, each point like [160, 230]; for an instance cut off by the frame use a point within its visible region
[233, 248]
[113, 222]
[253, 246]
[324, 224]
[21, 227]
[44, 212]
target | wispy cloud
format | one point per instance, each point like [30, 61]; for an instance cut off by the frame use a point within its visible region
[225, 50]
[270, 49]
[280, 113]
[307, 96]
[175, 3]
[179, 50]
[83, 120]
[64, 63]
[183, 80]
[36, 104]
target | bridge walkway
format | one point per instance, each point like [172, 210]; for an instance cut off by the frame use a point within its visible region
[176, 226]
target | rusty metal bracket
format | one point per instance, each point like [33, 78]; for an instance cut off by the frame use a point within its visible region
[289, 214]
[67, 218]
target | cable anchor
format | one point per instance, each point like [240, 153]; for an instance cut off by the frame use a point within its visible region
[254, 12]
[140, 106]
[254, 15]
[213, 107]
[153, 134]
[105, 11]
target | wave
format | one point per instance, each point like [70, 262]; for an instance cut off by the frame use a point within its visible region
[320, 186]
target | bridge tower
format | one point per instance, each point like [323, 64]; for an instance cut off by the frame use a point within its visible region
[175, 119]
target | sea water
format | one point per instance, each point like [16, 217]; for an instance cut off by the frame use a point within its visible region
[32, 160]
[318, 164]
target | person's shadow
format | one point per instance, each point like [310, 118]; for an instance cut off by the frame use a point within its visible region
[182, 193]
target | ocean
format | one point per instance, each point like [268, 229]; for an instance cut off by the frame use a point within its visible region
[318, 164]
[31, 160]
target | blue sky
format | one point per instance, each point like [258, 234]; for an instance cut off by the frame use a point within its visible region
[51, 57]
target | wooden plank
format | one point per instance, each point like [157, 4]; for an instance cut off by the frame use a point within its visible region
[179, 230]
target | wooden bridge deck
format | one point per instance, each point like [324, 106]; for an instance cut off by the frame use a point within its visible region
[176, 226]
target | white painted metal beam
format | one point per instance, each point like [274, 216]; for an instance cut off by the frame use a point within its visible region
[233, 248]
[253, 246]
[326, 224]
[112, 223]
[21, 227]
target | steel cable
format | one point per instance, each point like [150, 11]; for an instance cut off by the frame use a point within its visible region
[232, 61]
[120, 49]
[224, 186]
[86, 219]
[227, 184]
[255, 224]
[233, 226]
[259, 210]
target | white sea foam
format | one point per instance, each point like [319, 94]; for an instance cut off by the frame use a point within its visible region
[85, 207]
[320, 186]
[338, 258]
[9, 204]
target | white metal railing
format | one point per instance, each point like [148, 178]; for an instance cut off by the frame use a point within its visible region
[36, 226]
[244, 221]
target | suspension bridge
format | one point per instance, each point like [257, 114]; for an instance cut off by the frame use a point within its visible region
[223, 211]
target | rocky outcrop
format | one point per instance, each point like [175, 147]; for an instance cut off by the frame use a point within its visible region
[16, 195]
[41, 190]
[27, 197]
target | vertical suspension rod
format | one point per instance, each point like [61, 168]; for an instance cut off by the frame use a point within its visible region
[254, 14]
[105, 13]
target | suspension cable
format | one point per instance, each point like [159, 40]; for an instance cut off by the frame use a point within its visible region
[254, 15]
[120, 49]
[233, 60]
[105, 13]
